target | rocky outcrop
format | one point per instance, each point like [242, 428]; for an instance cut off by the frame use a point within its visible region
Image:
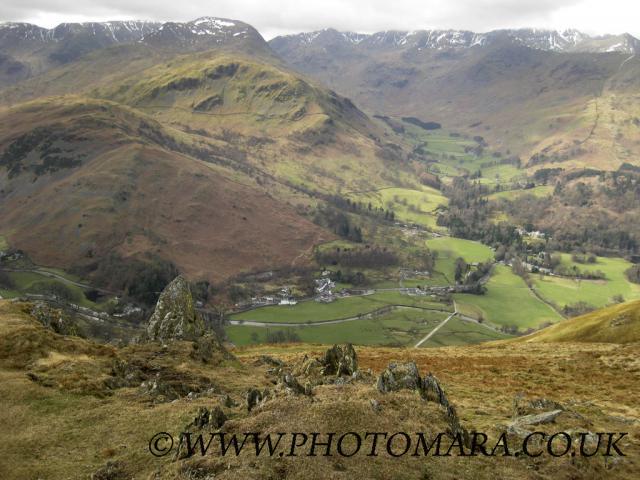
[431, 390]
[399, 376]
[340, 360]
[255, 398]
[291, 385]
[338, 365]
[205, 418]
[538, 418]
[405, 376]
[175, 317]
[54, 319]
[210, 350]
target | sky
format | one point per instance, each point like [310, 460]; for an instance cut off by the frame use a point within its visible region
[279, 17]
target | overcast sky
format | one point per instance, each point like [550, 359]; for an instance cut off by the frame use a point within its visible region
[276, 17]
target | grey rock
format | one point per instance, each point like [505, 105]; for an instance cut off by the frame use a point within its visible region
[228, 402]
[538, 418]
[340, 360]
[255, 398]
[524, 406]
[175, 317]
[399, 376]
[432, 391]
[205, 418]
[291, 384]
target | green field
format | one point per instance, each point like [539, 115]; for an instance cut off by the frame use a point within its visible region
[461, 332]
[401, 327]
[404, 326]
[450, 248]
[312, 311]
[599, 293]
[539, 191]
[409, 205]
[29, 282]
[4, 245]
[452, 160]
[507, 302]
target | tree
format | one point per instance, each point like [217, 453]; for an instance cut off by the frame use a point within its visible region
[461, 269]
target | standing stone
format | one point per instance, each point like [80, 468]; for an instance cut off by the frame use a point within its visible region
[175, 317]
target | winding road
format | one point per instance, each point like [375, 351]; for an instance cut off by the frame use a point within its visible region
[364, 316]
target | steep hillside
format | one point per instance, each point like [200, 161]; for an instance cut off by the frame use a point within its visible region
[522, 91]
[616, 324]
[83, 179]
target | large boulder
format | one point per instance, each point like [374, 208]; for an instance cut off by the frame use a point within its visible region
[175, 317]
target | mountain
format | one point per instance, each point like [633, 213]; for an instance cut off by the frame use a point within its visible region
[29, 50]
[202, 33]
[195, 145]
[546, 40]
[615, 324]
[563, 96]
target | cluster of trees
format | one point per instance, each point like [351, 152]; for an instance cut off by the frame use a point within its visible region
[338, 222]
[575, 272]
[597, 217]
[469, 215]
[141, 280]
[281, 336]
[577, 309]
[633, 273]
[354, 278]
[584, 258]
[56, 289]
[6, 282]
[464, 274]
[367, 257]
[360, 208]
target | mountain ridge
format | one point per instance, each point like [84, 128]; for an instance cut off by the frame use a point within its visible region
[568, 40]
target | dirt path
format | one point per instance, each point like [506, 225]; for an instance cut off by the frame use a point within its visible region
[432, 332]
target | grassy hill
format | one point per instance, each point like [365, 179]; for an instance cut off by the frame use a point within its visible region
[615, 324]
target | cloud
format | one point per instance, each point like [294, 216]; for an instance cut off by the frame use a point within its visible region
[291, 16]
